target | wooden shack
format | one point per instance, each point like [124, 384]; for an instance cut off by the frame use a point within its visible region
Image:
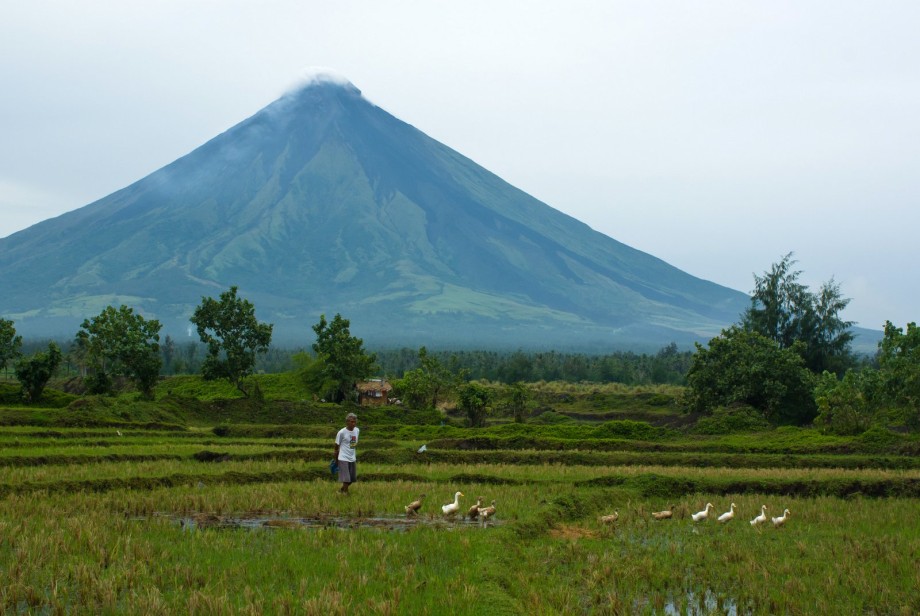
[374, 392]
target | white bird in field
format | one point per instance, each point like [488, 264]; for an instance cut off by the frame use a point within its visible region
[118, 432]
[664, 515]
[413, 507]
[610, 519]
[777, 522]
[422, 449]
[454, 507]
[729, 515]
[700, 516]
[761, 518]
[486, 512]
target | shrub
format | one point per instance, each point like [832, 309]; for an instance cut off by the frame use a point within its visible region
[747, 368]
[879, 439]
[847, 406]
[730, 420]
[625, 428]
[551, 417]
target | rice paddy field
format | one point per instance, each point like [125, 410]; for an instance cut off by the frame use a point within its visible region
[116, 520]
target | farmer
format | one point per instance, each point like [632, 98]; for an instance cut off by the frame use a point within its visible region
[345, 442]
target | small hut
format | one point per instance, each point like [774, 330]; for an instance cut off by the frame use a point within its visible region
[374, 392]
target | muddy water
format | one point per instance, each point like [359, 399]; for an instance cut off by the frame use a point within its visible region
[259, 521]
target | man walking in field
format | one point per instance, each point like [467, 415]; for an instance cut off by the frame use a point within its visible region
[345, 443]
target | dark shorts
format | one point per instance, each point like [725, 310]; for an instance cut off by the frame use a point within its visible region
[348, 472]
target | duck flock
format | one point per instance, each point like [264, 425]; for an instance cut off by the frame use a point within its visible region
[450, 510]
[485, 513]
[702, 516]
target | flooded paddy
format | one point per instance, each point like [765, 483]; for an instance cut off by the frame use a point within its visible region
[262, 521]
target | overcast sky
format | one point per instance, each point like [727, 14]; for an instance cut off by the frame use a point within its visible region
[716, 135]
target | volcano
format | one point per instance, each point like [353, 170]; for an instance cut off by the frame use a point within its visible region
[324, 203]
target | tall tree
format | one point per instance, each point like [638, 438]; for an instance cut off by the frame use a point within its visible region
[899, 369]
[474, 399]
[34, 372]
[120, 342]
[424, 386]
[10, 343]
[785, 311]
[344, 360]
[168, 352]
[233, 336]
[518, 396]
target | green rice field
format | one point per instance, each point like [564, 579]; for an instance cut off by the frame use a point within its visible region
[106, 520]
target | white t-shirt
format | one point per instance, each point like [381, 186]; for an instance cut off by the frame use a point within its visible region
[347, 440]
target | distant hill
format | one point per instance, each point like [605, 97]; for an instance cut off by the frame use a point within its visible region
[324, 203]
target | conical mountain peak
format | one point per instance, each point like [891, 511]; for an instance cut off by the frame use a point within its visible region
[316, 78]
[325, 203]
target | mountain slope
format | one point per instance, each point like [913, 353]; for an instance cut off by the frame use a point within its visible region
[323, 202]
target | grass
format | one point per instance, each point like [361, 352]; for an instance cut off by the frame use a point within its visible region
[109, 553]
[90, 521]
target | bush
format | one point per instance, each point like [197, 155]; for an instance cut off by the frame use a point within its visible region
[34, 372]
[551, 418]
[879, 439]
[731, 420]
[847, 406]
[625, 428]
[99, 383]
[742, 367]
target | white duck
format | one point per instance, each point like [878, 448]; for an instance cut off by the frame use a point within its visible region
[777, 522]
[729, 515]
[454, 507]
[700, 516]
[761, 518]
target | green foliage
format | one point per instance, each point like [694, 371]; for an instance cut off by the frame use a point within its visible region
[602, 402]
[120, 342]
[668, 366]
[785, 311]
[34, 372]
[98, 383]
[233, 336]
[848, 405]
[311, 371]
[10, 343]
[518, 367]
[344, 361]
[628, 429]
[879, 439]
[744, 367]
[899, 368]
[322, 420]
[11, 395]
[474, 400]
[551, 418]
[424, 386]
[413, 389]
[516, 398]
[732, 420]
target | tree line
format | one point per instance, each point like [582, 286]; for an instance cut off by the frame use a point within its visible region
[788, 359]
[120, 343]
